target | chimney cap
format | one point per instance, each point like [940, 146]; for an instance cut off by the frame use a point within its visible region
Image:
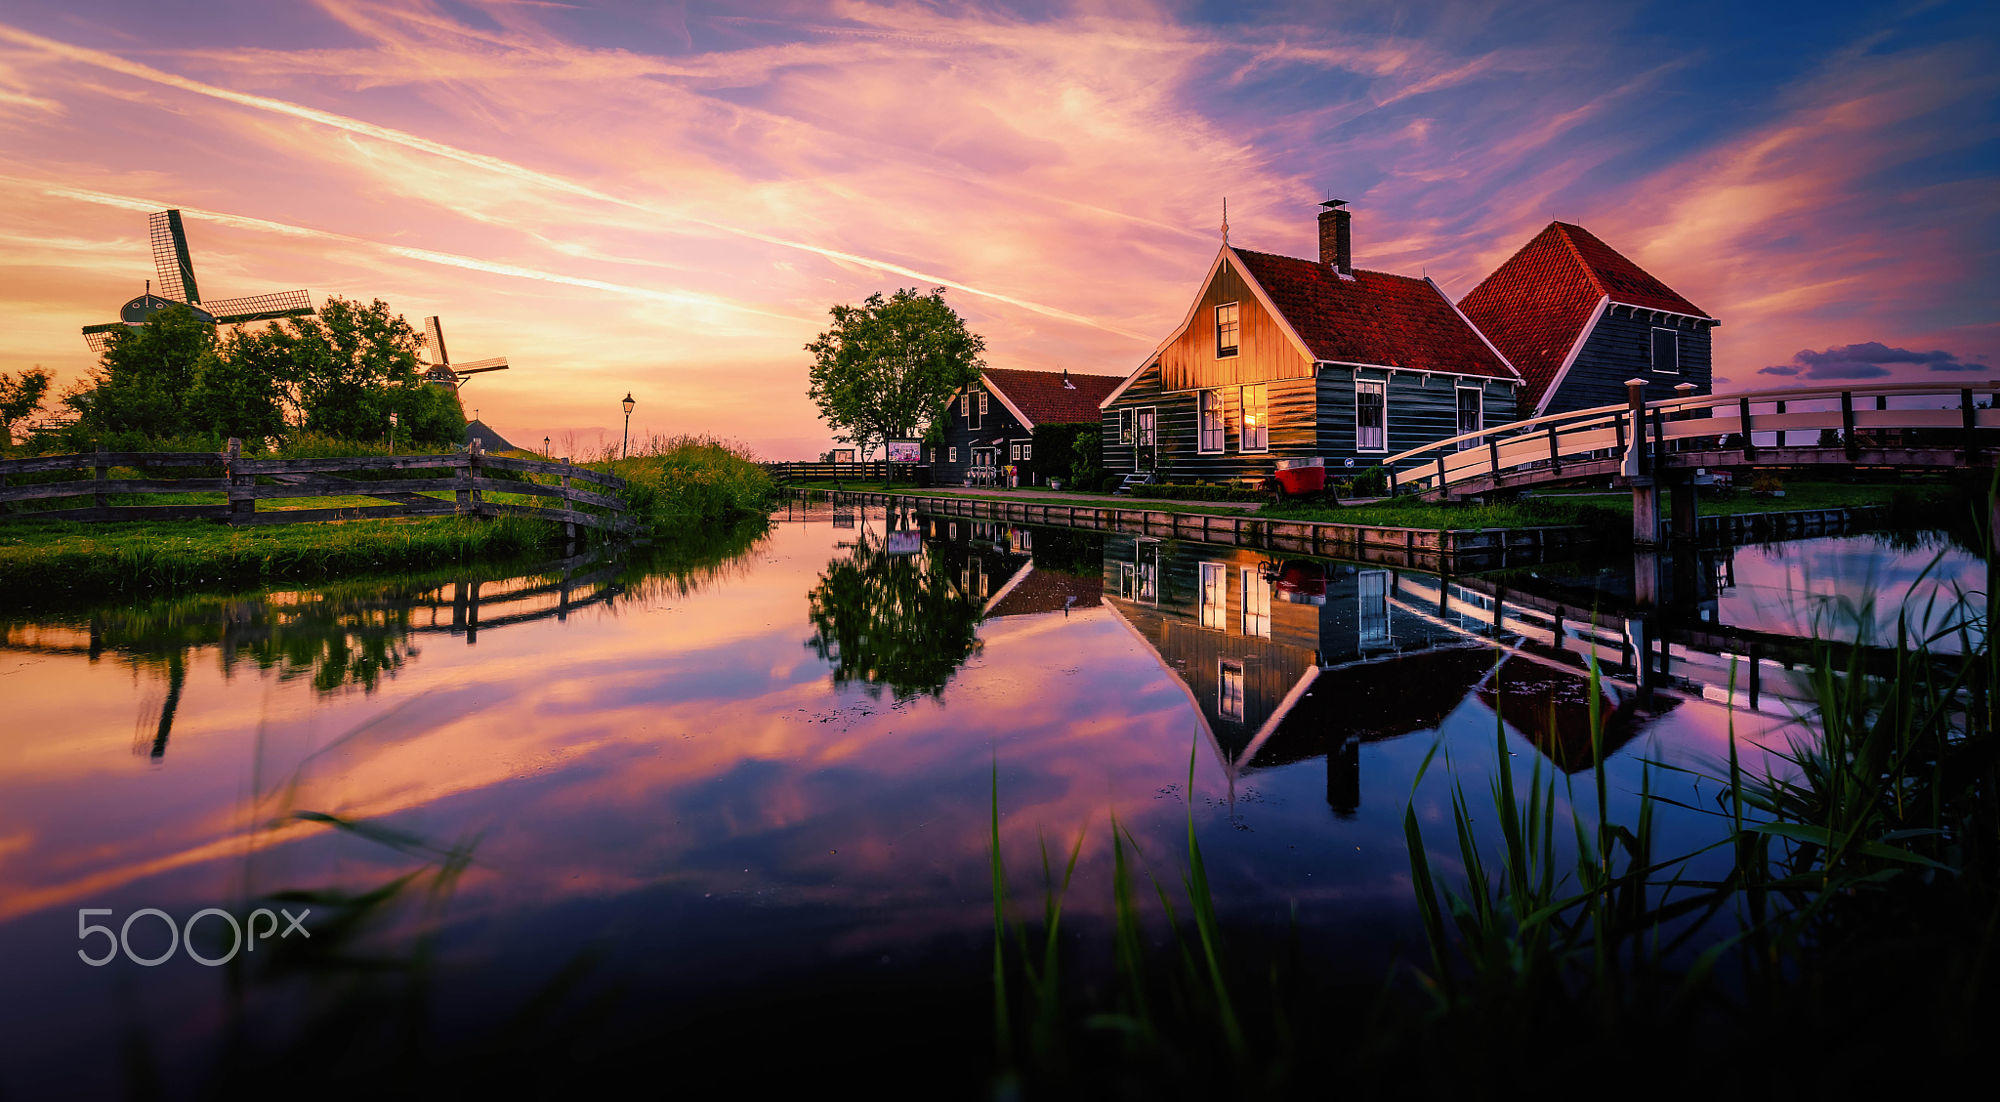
[1334, 204]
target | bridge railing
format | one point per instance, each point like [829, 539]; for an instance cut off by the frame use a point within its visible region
[1864, 418]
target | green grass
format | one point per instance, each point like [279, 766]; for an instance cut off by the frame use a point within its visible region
[54, 561]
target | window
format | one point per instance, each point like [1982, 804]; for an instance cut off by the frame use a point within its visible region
[1128, 580]
[1667, 351]
[1471, 412]
[1256, 419]
[983, 396]
[1374, 594]
[1144, 430]
[1215, 596]
[1371, 417]
[1209, 403]
[1229, 689]
[1124, 426]
[965, 406]
[1226, 326]
[954, 453]
[1256, 603]
[1017, 453]
[1149, 574]
[1028, 450]
[937, 455]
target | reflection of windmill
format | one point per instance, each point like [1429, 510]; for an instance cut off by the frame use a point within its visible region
[445, 373]
[176, 268]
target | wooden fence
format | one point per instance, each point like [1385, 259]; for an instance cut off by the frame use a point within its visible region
[581, 497]
[878, 470]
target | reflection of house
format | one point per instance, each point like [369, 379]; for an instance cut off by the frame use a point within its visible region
[991, 424]
[1287, 660]
[1034, 592]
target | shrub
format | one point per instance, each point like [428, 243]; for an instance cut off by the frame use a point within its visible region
[1199, 491]
[673, 483]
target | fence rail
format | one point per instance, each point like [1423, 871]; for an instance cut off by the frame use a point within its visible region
[571, 495]
[879, 469]
[1936, 425]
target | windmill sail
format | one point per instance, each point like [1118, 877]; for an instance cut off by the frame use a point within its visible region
[282, 304]
[497, 363]
[170, 257]
[434, 338]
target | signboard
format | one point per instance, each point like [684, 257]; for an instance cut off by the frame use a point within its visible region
[843, 455]
[905, 543]
[903, 451]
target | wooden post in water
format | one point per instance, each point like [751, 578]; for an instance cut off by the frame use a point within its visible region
[1638, 470]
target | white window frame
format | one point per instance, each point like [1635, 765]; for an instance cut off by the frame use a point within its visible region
[1209, 403]
[1125, 425]
[1236, 324]
[1373, 626]
[1653, 350]
[1146, 426]
[1256, 612]
[1213, 578]
[965, 405]
[1229, 705]
[1028, 451]
[954, 453]
[1263, 444]
[1377, 386]
[1458, 412]
[985, 406]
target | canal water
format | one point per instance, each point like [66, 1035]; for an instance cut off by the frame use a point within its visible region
[728, 811]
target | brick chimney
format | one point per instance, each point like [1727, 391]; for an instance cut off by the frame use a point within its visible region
[1336, 236]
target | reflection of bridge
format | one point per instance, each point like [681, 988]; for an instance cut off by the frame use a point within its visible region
[1645, 445]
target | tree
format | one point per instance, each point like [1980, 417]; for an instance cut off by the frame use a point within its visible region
[893, 621]
[889, 367]
[145, 377]
[21, 394]
[342, 372]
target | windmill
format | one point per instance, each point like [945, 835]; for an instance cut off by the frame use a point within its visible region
[445, 373]
[170, 257]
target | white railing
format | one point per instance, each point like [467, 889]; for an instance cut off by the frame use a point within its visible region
[1538, 449]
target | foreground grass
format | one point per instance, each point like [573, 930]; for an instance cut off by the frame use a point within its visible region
[54, 561]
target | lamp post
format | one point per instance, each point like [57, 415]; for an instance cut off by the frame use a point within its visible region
[392, 432]
[545, 447]
[626, 448]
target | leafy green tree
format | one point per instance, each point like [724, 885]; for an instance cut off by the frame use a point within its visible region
[145, 377]
[353, 365]
[888, 367]
[21, 394]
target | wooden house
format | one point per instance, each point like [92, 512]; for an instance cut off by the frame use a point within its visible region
[1283, 358]
[1577, 319]
[990, 425]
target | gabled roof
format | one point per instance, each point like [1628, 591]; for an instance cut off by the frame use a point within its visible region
[1040, 398]
[1041, 591]
[1370, 319]
[1373, 318]
[1540, 304]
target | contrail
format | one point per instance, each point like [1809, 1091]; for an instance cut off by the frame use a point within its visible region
[429, 256]
[500, 166]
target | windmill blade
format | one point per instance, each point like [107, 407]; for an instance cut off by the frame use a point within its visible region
[98, 337]
[497, 363]
[170, 257]
[283, 304]
[434, 338]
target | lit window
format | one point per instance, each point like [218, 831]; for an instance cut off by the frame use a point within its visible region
[1210, 403]
[1124, 426]
[1471, 411]
[1229, 689]
[1667, 351]
[1256, 419]
[1017, 453]
[1226, 326]
[1144, 429]
[1028, 451]
[954, 454]
[1149, 574]
[1371, 417]
[1215, 596]
[1256, 603]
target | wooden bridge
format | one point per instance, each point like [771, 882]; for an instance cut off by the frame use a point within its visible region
[466, 483]
[1649, 445]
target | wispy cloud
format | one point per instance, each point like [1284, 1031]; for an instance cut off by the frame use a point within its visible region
[1868, 360]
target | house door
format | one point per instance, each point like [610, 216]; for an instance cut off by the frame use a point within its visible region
[1144, 438]
[982, 465]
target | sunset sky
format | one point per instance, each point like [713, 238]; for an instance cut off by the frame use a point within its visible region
[666, 198]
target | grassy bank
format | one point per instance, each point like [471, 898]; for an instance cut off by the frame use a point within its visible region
[54, 561]
[678, 483]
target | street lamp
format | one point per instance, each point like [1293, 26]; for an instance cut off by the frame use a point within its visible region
[626, 449]
[392, 432]
[545, 447]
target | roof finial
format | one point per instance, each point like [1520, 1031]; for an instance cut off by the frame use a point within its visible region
[1225, 221]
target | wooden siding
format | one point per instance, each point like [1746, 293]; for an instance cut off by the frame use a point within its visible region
[1621, 348]
[1264, 352]
[1420, 411]
[1289, 410]
[959, 433]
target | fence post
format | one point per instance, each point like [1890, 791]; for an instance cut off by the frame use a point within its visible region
[462, 464]
[98, 473]
[1493, 459]
[475, 468]
[1636, 460]
[1743, 415]
[1970, 418]
[569, 504]
[237, 485]
[1847, 425]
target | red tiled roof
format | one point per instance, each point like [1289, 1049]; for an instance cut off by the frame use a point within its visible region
[1049, 591]
[1536, 304]
[1043, 398]
[1374, 318]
